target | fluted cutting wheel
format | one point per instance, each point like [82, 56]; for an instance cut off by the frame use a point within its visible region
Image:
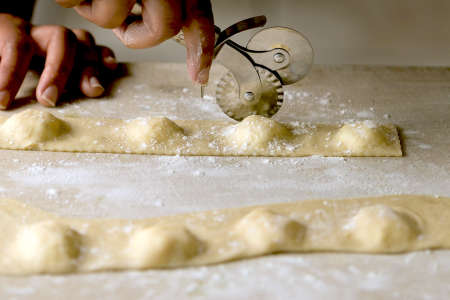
[227, 96]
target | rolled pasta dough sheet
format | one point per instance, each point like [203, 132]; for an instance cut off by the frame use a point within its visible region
[254, 136]
[34, 241]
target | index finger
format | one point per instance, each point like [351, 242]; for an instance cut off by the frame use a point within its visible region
[199, 35]
[14, 62]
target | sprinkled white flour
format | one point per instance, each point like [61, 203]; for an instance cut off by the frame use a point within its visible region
[138, 186]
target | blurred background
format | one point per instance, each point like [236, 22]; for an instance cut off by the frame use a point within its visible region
[399, 32]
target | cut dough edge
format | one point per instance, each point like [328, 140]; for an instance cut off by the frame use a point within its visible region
[34, 241]
[254, 136]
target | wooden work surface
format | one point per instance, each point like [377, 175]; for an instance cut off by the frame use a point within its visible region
[417, 100]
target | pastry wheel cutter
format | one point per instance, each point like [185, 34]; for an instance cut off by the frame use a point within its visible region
[256, 73]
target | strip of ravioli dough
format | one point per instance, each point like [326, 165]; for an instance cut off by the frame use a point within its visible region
[254, 136]
[34, 241]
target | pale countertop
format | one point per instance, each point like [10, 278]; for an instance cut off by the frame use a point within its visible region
[417, 100]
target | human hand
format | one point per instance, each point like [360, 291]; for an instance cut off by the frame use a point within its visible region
[67, 53]
[160, 20]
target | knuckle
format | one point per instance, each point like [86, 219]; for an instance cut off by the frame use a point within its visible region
[59, 31]
[16, 21]
[111, 20]
[109, 24]
[164, 32]
[113, 14]
[21, 44]
[65, 35]
[80, 32]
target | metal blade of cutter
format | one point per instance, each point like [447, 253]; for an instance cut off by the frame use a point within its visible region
[280, 56]
[256, 73]
[291, 52]
[238, 108]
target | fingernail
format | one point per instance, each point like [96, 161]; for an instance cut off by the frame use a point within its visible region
[50, 95]
[4, 99]
[95, 84]
[203, 76]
